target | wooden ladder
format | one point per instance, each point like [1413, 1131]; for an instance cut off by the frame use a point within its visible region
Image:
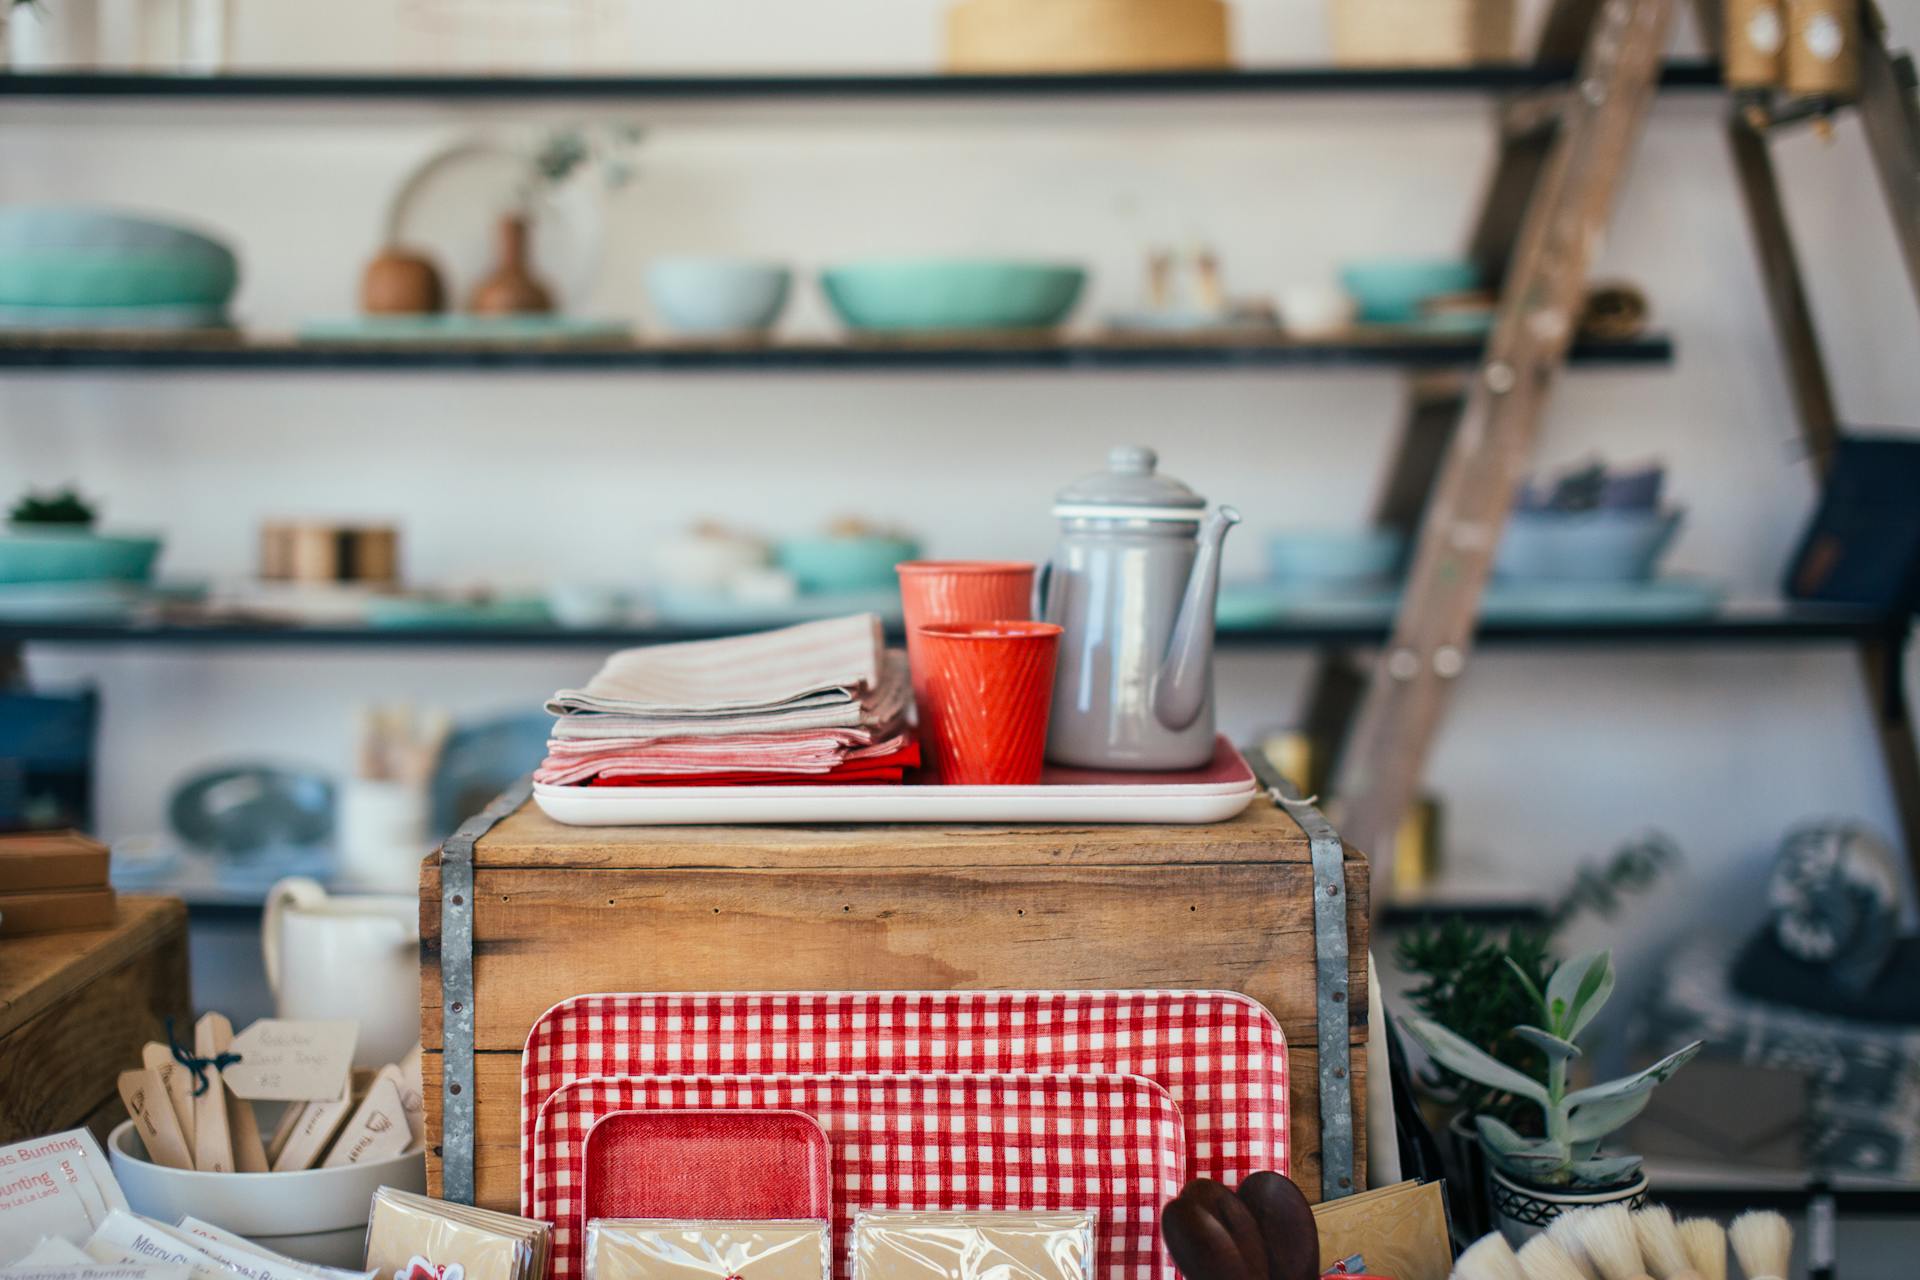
[1466, 446]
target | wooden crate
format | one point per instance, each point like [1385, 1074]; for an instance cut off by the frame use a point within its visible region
[558, 911]
[75, 1009]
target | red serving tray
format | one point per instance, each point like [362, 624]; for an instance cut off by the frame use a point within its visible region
[1111, 1143]
[713, 1165]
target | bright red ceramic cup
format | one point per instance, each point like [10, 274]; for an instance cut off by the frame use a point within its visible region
[933, 592]
[989, 688]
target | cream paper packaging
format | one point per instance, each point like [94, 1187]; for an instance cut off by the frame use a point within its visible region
[666, 1249]
[411, 1237]
[251, 1262]
[126, 1237]
[56, 1251]
[206, 1236]
[91, 1270]
[927, 1245]
[58, 1186]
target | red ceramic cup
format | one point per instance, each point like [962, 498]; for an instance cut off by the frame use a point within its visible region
[940, 591]
[989, 688]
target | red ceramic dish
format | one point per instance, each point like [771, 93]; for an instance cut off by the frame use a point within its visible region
[724, 1165]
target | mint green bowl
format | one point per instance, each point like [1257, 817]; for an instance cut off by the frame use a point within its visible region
[944, 294]
[29, 554]
[827, 564]
[115, 278]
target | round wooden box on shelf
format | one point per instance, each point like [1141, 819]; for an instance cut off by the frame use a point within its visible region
[1033, 36]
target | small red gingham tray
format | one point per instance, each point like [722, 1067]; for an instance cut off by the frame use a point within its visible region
[1113, 1144]
[702, 1165]
[1219, 1053]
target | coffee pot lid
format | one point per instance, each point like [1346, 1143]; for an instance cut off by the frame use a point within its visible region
[1129, 489]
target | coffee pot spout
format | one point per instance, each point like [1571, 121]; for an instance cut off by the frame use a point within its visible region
[1186, 673]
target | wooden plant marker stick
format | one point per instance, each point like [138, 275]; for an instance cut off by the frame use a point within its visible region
[177, 1084]
[152, 1113]
[1539, 310]
[289, 1121]
[249, 1155]
[212, 1142]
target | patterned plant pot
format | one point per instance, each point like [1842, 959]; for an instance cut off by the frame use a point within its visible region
[1523, 1212]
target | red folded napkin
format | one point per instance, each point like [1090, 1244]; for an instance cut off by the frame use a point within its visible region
[889, 767]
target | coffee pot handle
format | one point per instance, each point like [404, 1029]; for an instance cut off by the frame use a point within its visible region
[1042, 578]
[294, 891]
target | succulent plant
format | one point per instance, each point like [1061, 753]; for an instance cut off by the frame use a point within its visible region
[61, 507]
[1575, 1122]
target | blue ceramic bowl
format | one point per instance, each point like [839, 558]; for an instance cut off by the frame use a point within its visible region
[944, 294]
[1335, 558]
[30, 553]
[1391, 290]
[717, 295]
[1584, 546]
[53, 256]
[828, 564]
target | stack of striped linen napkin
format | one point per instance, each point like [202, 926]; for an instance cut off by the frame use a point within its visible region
[823, 702]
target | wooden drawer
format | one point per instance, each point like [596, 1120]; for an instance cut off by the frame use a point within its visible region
[558, 911]
[75, 1009]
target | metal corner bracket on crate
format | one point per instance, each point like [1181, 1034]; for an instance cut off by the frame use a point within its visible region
[456, 992]
[1331, 956]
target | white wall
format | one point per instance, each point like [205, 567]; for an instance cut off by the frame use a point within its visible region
[1548, 756]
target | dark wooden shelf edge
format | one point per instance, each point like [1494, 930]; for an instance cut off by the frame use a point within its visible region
[1835, 626]
[1694, 74]
[1067, 356]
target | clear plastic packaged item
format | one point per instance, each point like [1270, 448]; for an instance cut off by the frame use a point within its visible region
[669, 1249]
[1039, 1244]
[412, 1237]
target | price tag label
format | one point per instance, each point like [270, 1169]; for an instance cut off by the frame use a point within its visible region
[282, 1060]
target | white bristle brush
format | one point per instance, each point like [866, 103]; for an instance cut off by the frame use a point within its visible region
[1660, 1246]
[1545, 1259]
[1607, 1238]
[1706, 1244]
[1565, 1232]
[1488, 1258]
[1764, 1244]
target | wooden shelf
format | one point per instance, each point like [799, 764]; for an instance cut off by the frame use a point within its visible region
[307, 86]
[1026, 352]
[1773, 624]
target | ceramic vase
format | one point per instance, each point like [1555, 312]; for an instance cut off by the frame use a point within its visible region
[1522, 1212]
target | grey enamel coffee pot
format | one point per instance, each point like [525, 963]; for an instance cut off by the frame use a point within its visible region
[1132, 584]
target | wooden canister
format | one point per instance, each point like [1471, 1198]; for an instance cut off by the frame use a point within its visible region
[1823, 48]
[1756, 39]
[298, 551]
[1039, 36]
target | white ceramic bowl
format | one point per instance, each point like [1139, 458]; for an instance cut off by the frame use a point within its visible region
[315, 1215]
[715, 296]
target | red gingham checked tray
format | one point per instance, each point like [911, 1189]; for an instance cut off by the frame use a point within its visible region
[1220, 1054]
[1109, 1143]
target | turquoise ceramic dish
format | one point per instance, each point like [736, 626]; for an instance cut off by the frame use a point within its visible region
[1336, 559]
[826, 564]
[1391, 290]
[26, 228]
[1584, 546]
[946, 294]
[34, 554]
[93, 278]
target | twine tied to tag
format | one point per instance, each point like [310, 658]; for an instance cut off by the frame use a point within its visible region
[197, 1065]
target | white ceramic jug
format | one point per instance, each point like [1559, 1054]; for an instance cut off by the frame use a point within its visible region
[346, 958]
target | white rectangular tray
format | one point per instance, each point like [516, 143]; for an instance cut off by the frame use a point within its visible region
[1212, 794]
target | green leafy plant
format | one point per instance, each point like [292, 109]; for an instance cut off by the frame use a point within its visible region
[1464, 979]
[60, 507]
[1573, 1123]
